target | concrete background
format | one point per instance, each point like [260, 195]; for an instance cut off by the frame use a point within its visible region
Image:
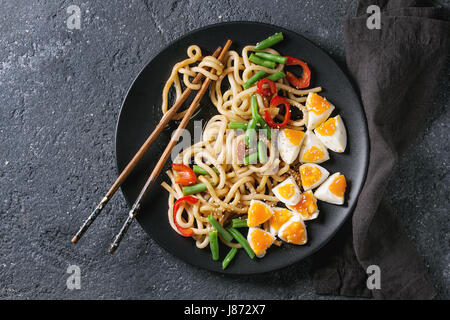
[60, 94]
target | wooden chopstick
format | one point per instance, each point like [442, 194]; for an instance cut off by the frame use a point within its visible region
[138, 156]
[165, 156]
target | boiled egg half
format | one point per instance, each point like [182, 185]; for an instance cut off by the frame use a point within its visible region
[259, 240]
[306, 207]
[333, 189]
[319, 109]
[294, 231]
[312, 175]
[289, 143]
[287, 192]
[313, 150]
[258, 213]
[332, 133]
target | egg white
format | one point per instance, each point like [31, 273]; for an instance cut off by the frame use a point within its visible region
[337, 142]
[250, 239]
[323, 193]
[323, 177]
[297, 193]
[310, 141]
[314, 215]
[265, 205]
[315, 120]
[288, 151]
[295, 218]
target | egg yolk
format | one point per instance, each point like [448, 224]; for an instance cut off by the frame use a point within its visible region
[328, 128]
[317, 104]
[310, 175]
[258, 213]
[313, 154]
[338, 186]
[280, 217]
[287, 191]
[260, 241]
[294, 233]
[306, 206]
[294, 136]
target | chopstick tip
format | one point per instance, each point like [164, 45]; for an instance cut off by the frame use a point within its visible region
[112, 249]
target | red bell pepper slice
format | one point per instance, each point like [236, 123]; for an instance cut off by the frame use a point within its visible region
[276, 101]
[305, 80]
[185, 232]
[267, 92]
[184, 175]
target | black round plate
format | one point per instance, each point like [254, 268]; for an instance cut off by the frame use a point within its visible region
[141, 112]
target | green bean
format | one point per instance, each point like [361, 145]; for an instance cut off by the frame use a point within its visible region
[224, 233]
[271, 57]
[214, 244]
[262, 152]
[270, 41]
[251, 159]
[257, 116]
[261, 62]
[258, 76]
[276, 76]
[228, 258]
[200, 171]
[242, 241]
[237, 125]
[196, 188]
[255, 111]
[239, 223]
[250, 134]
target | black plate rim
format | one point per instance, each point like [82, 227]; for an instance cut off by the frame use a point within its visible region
[365, 137]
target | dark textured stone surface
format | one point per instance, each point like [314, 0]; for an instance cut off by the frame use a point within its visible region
[60, 94]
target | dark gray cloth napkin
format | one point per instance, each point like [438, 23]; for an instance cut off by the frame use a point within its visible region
[396, 70]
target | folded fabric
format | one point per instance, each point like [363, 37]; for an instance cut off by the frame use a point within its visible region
[396, 69]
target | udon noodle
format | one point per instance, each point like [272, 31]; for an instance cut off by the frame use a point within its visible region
[230, 185]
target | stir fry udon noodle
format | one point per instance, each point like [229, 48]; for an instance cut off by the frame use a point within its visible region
[230, 185]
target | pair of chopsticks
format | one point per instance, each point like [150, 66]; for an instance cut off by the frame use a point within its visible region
[138, 156]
